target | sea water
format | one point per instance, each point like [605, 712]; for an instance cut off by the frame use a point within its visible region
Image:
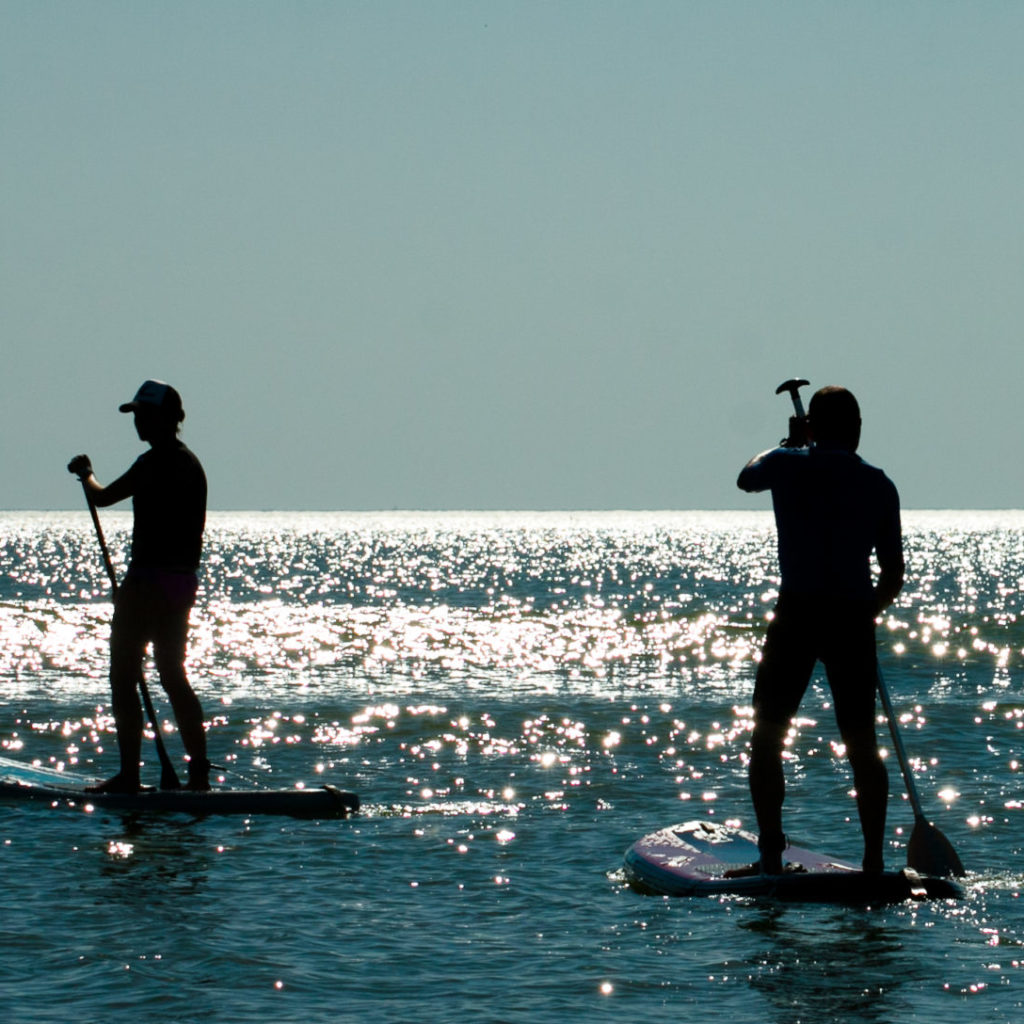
[516, 697]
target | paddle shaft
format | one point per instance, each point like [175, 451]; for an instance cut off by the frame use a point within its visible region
[897, 742]
[168, 776]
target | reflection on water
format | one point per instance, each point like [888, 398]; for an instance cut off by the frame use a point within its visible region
[835, 966]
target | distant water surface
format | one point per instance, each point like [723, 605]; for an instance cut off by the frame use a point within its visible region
[516, 697]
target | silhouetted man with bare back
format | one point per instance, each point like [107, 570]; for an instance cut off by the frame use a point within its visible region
[832, 510]
[168, 491]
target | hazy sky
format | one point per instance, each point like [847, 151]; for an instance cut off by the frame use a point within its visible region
[510, 254]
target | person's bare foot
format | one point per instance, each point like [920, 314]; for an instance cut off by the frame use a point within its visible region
[747, 871]
[873, 865]
[198, 776]
[116, 784]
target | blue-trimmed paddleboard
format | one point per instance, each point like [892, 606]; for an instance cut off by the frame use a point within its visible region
[59, 789]
[692, 859]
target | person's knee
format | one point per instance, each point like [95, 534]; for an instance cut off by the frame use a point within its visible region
[125, 704]
[767, 739]
[125, 673]
[170, 663]
[126, 654]
[178, 690]
[177, 687]
[864, 755]
[860, 742]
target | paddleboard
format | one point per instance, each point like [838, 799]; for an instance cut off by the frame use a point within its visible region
[692, 859]
[50, 787]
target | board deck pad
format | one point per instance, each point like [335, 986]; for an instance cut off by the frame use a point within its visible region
[60, 789]
[694, 858]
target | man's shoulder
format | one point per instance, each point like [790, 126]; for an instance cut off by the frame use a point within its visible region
[780, 458]
[765, 470]
[873, 470]
[187, 452]
[195, 467]
[879, 480]
[172, 458]
[855, 462]
[181, 452]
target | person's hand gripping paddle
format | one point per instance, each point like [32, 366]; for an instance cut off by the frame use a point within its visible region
[929, 852]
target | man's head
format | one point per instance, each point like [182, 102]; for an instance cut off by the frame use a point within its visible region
[158, 410]
[156, 396]
[834, 418]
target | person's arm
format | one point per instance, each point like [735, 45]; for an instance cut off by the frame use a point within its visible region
[756, 474]
[889, 551]
[890, 583]
[99, 495]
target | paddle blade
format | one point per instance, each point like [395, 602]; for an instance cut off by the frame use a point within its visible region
[929, 852]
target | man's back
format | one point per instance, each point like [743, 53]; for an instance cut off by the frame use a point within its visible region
[832, 510]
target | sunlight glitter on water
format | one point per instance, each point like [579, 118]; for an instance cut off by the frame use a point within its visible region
[411, 592]
[443, 604]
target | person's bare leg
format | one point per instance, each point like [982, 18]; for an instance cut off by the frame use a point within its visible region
[128, 724]
[127, 647]
[768, 792]
[169, 651]
[871, 780]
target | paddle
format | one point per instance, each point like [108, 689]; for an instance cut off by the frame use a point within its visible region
[168, 776]
[929, 852]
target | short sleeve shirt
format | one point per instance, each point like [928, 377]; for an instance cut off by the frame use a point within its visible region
[168, 488]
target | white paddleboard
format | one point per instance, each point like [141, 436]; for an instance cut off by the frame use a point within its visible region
[695, 858]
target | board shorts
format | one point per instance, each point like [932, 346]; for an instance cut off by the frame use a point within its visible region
[152, 606]
[838, 633]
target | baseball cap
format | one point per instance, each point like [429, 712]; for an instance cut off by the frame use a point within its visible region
[156, 394]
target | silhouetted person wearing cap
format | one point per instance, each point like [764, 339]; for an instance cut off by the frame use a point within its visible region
[832, 510]
[168, 491]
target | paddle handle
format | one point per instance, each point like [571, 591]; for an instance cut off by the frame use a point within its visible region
[897, 742]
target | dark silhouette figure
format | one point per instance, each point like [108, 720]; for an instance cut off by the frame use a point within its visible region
[168, 491]
[832, 510]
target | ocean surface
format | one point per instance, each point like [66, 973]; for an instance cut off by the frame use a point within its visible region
[516, 697]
